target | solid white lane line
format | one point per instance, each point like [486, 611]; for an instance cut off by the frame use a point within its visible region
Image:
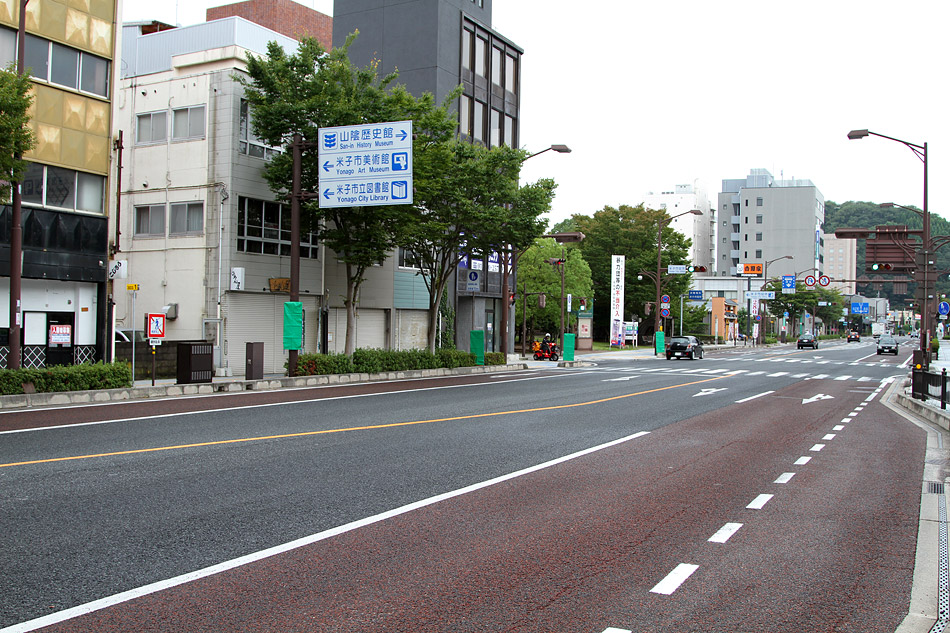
[759, 502]
[829, 436]
[801, 461]
[161, 585]
[837, 427]
[725, 532]
[784, 478]
[758, 395]
[817, 447]
[674, 579]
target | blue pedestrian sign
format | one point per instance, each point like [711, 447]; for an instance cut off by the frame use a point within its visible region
[943, 308]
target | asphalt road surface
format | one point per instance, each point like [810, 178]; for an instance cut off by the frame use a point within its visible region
[756, 489]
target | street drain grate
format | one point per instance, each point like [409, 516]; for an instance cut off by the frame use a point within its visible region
[935, 487]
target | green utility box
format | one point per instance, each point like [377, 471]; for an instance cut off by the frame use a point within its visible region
[568, 352]
[476, 345]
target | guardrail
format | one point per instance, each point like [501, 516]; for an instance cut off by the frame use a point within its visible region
[925, 384]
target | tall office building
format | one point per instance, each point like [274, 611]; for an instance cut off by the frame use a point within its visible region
[763, 219]
[69, 49]
[437, 45]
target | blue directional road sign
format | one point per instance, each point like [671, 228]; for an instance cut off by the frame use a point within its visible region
[695, 295]
[860, 308]
[366, 165]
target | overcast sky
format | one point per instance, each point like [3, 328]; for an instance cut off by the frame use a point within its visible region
[651, 94]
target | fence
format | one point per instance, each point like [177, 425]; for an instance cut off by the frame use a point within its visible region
[925, 384]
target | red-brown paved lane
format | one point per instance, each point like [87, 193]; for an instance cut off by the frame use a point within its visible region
[80, 414]
[578, 546]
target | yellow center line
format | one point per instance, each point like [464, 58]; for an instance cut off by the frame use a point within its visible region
[355, 428]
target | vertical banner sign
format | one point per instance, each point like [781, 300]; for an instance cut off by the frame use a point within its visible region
[293, 325]
[616, 298]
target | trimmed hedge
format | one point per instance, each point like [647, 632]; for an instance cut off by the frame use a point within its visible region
[495, 358]
[375, 361]
[66, 378]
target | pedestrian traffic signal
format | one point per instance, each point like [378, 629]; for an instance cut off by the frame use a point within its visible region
[881, 267]
[696, 269]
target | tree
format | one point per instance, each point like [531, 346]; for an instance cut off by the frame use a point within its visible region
[315, 88]
[632, 232]
[537, 275]
[16, 135]
[468, 201]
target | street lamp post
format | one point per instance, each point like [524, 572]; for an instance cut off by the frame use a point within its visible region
[561, 238]
[657, 322]
[765, 280]
[508, 264]
[922, 275]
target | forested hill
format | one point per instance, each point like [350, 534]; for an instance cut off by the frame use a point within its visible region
[869, 215]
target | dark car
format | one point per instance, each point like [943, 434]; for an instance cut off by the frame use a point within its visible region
[684, 347]
[887, 344]
[807, 340]
[854, 336]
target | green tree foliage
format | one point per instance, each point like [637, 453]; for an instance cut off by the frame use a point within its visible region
[16, 135]
[632, 232]
[468, 201]
[314, 88]
[536, 274]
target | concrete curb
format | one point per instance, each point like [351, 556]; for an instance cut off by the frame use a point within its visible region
[63, 398]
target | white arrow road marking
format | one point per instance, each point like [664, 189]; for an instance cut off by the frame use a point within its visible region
[709, 391]
[816, 398]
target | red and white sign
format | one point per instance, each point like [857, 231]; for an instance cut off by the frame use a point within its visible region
[60, 334]
[810, 281]
[155, 327]
[824, 280]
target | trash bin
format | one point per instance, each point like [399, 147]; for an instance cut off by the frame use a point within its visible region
[255, 362]
[195, 363]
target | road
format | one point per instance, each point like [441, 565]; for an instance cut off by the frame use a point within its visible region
[756, 489]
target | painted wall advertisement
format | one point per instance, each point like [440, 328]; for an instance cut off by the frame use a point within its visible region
[616, 299]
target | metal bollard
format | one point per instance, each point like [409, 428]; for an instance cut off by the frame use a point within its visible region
[943, 389]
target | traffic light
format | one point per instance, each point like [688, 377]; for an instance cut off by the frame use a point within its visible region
[696, 269]
[512, 298]
[881, 267]
[582, 305]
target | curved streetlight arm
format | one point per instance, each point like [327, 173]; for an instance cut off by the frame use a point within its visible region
[919, 150]
[560, 149]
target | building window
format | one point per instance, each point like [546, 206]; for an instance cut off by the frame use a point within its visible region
[186, 217]
[478, 122]
[465, 115]
[759, 219]
[264, 228]
[63, 188]
[409, 259]
[495, 131]
[758, 202]
[511, 74]
[7, 46]
[151, 128]
[758, 254]
[510, 139]
[758, 237]
[481, 56]
[497, 66]
[150, 220]
[468, 46]
[66, 66]
[248, 143]
[188, 123]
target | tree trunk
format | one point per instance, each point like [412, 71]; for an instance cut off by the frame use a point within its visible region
[352, 291]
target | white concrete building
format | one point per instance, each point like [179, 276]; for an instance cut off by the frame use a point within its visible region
[701, 229]
[841, 260]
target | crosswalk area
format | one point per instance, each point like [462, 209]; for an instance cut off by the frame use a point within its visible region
[819, 370]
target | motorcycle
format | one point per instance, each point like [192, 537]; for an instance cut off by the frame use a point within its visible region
[547, 351]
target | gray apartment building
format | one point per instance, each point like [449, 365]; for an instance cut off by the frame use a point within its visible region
[436, 45]
[763, 219]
